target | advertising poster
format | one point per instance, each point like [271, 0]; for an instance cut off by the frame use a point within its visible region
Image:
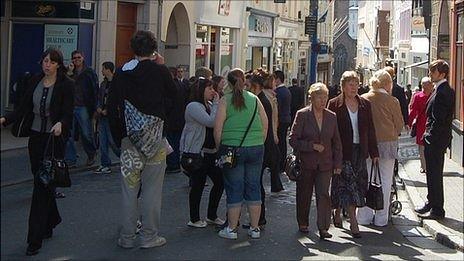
[62, 37]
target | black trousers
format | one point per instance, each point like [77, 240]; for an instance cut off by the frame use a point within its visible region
[198, 179]
[271, 160]
[44, 215]
[434, 160]
[282, 134]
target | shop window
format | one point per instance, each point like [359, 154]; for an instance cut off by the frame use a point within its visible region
[202, 46]
[459, 80]
[249, 58]
[227, 50]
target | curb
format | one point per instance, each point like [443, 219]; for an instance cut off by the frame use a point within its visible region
[439, 232]
[71, 171]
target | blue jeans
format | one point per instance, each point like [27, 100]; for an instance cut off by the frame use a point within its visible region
[106, 141]
[244, 181]
[82, 119]
[173, 159]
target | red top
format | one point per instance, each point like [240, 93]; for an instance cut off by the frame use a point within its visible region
[417, 112]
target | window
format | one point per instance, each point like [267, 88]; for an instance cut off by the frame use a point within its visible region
[459, 78]
[227, 48]
[202, 46]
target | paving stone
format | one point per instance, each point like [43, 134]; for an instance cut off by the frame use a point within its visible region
[413, 231]
[426, 242]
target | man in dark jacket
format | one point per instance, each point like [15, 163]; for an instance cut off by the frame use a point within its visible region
[284, 98]
[398, 92]
[85, 104]
[140, 92]
[298, 96]
[437, 137]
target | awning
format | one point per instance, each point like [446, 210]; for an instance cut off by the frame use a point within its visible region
[416, 64]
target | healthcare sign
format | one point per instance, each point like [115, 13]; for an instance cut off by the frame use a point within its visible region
[62, 37]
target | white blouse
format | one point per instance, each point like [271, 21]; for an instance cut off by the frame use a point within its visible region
[354, 125]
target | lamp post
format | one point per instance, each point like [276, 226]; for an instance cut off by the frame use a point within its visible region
[313, 6]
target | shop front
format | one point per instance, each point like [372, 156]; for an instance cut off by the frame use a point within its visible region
[217, 35]
[30, 27]
[259, 43]
[286, 54]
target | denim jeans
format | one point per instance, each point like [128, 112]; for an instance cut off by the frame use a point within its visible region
[173, 159]
[82, 120]
[244, 181]
[106, 141]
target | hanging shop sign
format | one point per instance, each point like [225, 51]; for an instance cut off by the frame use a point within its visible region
[62, 37]
[260, 26]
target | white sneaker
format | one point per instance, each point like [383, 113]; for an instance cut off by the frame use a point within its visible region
[217, 221]
[102, 170]
[159, 241]
[254, 233]
[198, 224]
[228, 233]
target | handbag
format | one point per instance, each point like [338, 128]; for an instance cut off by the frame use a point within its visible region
[228, 157]
[374, 195]
[53, 172]
[144, 131]
[293, 166]
[191, 161]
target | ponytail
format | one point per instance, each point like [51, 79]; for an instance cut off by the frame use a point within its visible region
[235, 78]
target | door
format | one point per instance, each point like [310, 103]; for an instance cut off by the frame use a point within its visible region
[126, 27]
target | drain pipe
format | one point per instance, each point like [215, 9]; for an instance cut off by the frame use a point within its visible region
[158, 25]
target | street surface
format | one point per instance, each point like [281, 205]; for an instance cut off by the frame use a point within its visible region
[90, 226]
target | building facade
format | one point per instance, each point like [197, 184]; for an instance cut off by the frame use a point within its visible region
[446, 42]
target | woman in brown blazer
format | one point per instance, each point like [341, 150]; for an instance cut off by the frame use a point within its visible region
[356, 127]
[314, 136]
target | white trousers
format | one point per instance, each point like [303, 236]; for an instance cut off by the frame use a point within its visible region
[366, 214]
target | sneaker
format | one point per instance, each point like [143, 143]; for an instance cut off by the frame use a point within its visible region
[198, 224]
[254, 233]
[217, 221]
[139, 227]
[228, 233]
[159, 241]
[125, 243]
[102, 170]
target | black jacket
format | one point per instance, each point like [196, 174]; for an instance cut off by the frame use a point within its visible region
[147, 87]
[89, 82]
[398, 92]
[176, 108]
[297, 102]
[61, 105]
[440, 107]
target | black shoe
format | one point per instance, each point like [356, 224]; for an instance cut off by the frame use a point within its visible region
[32, 250]
[426, 208]
[324, 235]
[432, 216]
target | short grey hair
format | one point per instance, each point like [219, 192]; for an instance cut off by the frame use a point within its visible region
[426, 80]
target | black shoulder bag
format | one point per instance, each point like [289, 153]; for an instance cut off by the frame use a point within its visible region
[374, 195]
[53, 172]
[228, 159]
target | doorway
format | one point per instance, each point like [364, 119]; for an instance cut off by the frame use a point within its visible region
[125, 29]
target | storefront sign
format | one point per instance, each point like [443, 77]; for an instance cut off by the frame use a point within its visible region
[53, 9]
[260, 26]
[62, 37]
[225, 13]
[418, 24]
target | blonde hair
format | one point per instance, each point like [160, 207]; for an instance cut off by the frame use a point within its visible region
[318, 88]
[380, 79]
[390, 71]
[348, 76]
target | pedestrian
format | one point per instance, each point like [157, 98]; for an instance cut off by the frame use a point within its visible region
[197, 138]
[284, 98]
[175, 121]
[399, 93]
[334, 91]
[363, 89]
[357, 133]
[388, 123]
[270, 157]
[272, 152]
[85, 103]
[219, 84]
[418, 117]
[46, 109]
[106, 140]
[408, 93]
[240, 127]
[204, 72]
[297, 93]
[315, 139]
[139, 97]
[437, 137]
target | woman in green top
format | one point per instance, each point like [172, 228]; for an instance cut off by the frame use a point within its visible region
[236, 110]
